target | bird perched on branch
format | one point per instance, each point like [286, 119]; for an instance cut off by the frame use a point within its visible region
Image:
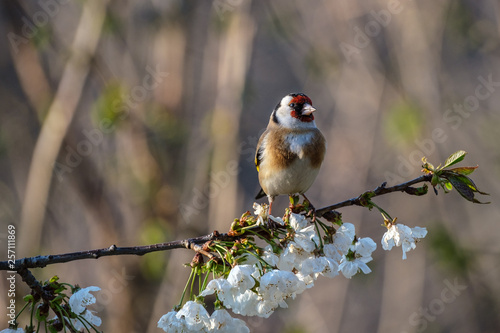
[291, 150]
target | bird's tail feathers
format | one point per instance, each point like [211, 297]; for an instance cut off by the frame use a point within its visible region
[261, 194]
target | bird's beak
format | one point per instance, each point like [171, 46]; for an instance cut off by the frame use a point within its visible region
[307, 110]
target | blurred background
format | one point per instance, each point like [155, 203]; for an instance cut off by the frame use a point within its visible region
[132, 123]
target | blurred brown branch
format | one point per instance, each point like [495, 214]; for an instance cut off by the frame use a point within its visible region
[57, 121]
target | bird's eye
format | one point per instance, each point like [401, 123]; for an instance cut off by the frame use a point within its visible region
[292, 105]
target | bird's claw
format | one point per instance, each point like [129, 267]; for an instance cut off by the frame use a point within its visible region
[271, 224]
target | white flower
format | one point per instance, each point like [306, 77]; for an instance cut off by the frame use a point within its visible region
[240, 277]
[277, 219]
[314, 266]
[229, 295]
[307, 279]
[78, 303]
[276, 286]
[292, 257]
[364, 247]
[332, 252]
[82, 298]
[194, 318]
[350, 267]
[344, 237]
[11, 330]
[245, 303]
[306, 238]
[269, 256]
[170, 323]
[362, 251]
[402, 235]
[240, 300]
[418, 232]
[331, 268]
[260, 209]
[219, 285]
[236, 292]
[195, 314]
[297, 221]
[279, 285]
[261, 212]
[222, 322]
[265, 308]
[306, 265]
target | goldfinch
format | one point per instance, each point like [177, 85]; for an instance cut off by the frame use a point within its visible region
[291, 150]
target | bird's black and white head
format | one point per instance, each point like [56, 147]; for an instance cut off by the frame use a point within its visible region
[294, 111]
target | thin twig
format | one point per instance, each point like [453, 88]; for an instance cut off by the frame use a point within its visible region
[380, 190]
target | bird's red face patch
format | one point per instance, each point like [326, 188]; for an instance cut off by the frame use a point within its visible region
[301, 99]
[304, 118]
[297, 103]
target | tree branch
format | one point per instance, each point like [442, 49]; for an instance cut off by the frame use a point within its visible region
[34, 284]
[113, 250]
[380, 190]
[21, 265]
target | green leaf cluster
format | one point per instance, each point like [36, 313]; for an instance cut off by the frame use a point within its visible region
[448, 178]
[54, 299]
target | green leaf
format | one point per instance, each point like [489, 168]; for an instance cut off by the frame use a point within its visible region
[417, 190]
[454, 158]
[464, 179]
[464, 170]
[422, 190]
[54, 279]
[447, 186]
[434, 180]
[365, 199]
[465, 186]
[28, 298]
[462, 188]
[468, 181]
[427, 165]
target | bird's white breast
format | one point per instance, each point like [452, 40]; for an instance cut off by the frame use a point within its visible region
[297, 142]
